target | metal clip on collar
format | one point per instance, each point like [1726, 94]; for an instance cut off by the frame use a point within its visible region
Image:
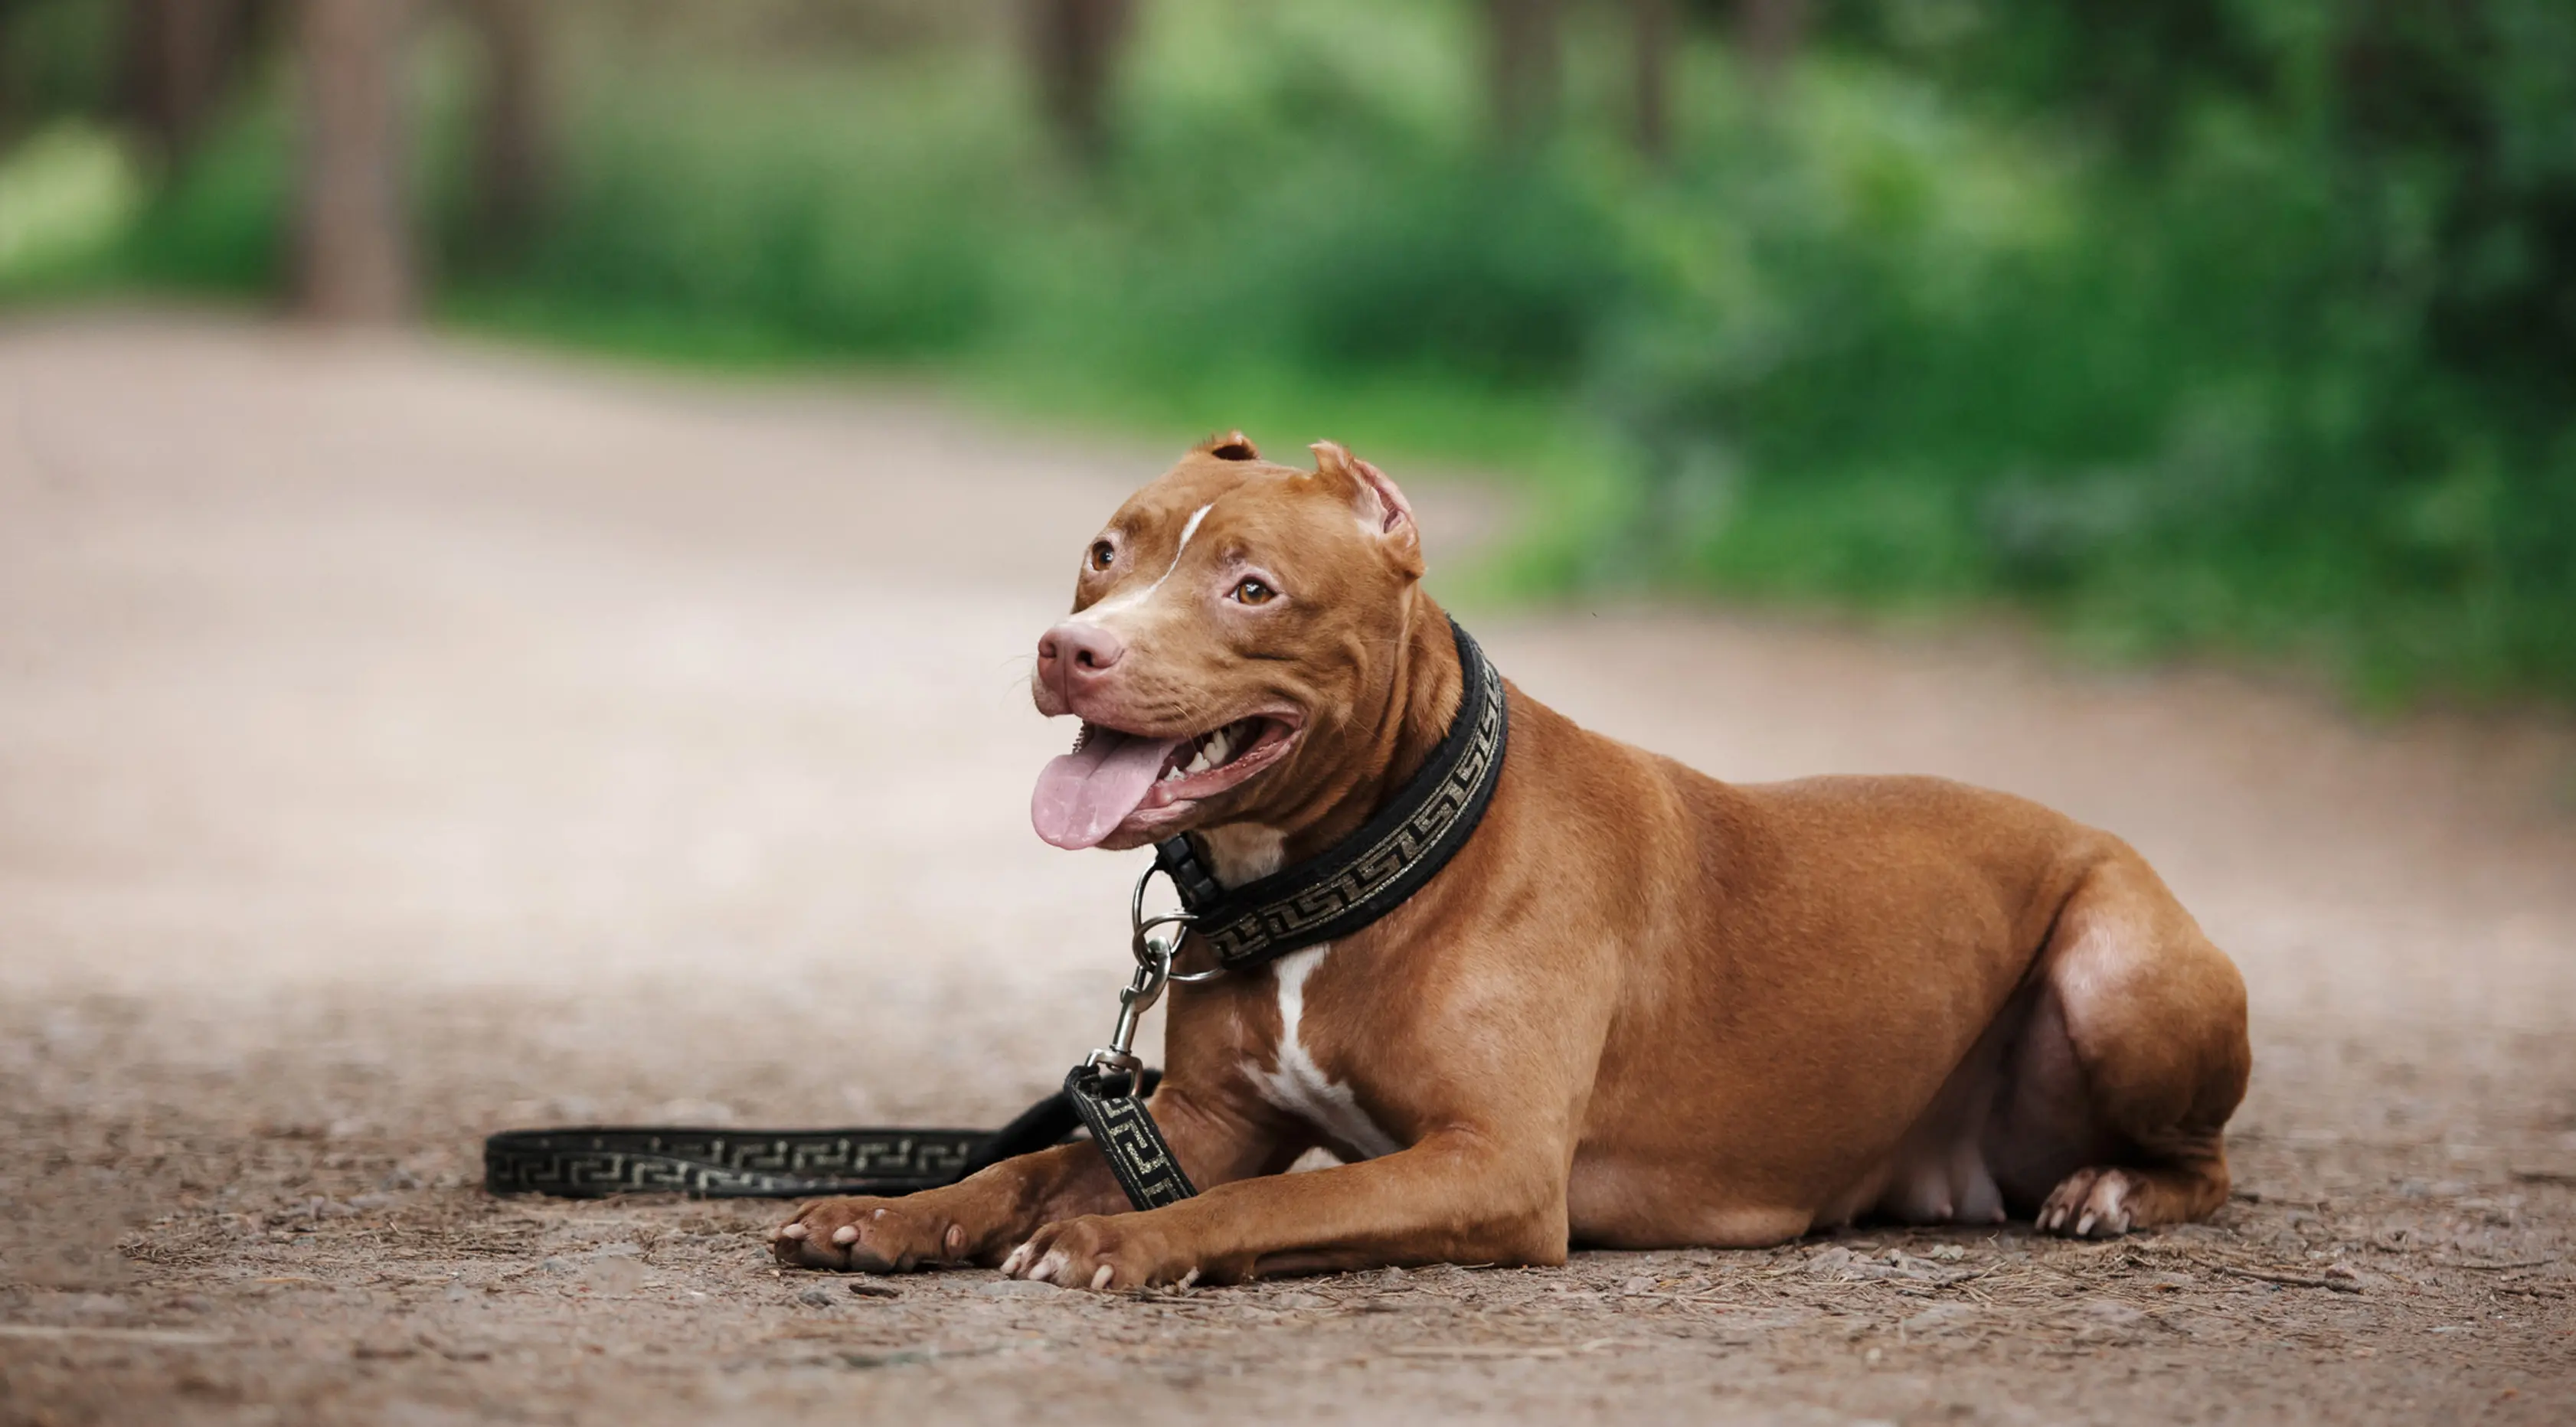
[1153, 972]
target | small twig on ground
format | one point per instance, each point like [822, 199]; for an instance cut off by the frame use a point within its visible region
[2256, 1196]
[2292, 1280]
[176, 1337]
[1477, 1350]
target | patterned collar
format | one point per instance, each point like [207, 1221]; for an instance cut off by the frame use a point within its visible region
[1369, 873]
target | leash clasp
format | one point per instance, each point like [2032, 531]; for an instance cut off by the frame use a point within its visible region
[1154, 948]
[1143, 990]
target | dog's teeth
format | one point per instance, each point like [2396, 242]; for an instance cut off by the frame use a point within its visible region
[1216, 748]
[1199, 764]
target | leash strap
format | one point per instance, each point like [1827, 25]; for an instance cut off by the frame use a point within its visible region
[1126, 1132]
[596, 1161]
[1369, 873]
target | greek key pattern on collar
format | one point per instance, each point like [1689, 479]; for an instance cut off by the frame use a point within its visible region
[1374, 869]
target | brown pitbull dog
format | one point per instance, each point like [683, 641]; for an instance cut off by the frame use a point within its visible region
[1641, 1008]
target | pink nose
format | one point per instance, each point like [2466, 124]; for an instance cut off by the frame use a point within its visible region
[1073, 656]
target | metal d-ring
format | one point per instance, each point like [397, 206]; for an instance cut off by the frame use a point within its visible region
[1151, 950]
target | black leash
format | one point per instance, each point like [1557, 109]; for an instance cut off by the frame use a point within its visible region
[594, 1162]
[1351, 884]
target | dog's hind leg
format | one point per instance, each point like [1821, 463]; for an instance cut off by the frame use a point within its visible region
[2118, 1092]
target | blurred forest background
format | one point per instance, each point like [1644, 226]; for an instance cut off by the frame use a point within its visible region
[2241, 326]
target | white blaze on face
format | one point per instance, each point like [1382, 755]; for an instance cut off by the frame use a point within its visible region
[1102, 612]
[1299, 1085]
[1083, 796]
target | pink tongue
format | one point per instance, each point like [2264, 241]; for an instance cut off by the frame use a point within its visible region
[1083, 797]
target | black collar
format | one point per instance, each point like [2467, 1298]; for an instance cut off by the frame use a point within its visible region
[1369, 873]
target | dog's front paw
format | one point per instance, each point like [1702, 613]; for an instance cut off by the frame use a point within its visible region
[867, 1235]
[2090, 1204]
[1101, 1252]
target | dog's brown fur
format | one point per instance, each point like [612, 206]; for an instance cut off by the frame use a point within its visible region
[1641, 1007]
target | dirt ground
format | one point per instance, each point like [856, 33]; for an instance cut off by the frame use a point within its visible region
[403, 740]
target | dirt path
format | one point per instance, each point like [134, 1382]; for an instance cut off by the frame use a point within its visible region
[401, 741]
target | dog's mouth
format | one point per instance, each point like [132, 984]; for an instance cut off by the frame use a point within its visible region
[1114, 779]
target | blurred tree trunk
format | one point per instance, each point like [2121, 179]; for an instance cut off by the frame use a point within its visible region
[8, 72]
[354, 248]
[1526, 73]
[1073, 46]
[1770, 33]
[514, 135]
[1656, 34]
[178, 57]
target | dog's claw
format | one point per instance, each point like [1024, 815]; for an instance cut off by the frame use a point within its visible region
[859, 1235]
[2091, 1204]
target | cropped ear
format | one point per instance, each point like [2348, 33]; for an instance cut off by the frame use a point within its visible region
[1381, 507]
[1232, 446]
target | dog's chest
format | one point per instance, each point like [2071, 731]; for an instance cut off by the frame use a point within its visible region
[1299, 1086]
[1292, 1081]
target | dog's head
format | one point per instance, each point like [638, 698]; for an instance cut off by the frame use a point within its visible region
[1235, 629]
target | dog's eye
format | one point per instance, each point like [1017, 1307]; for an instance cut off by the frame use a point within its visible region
[1102, 552]
[1253, 592]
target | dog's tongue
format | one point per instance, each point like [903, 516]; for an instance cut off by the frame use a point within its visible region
[1083, 796]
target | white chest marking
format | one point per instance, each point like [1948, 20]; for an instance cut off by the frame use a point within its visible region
[1298, 1086]
[1118, 603]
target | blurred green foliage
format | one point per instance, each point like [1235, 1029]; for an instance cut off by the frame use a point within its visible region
[2235, 325]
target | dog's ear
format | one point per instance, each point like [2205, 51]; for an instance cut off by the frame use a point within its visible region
[1232, 446]
[1381, 507]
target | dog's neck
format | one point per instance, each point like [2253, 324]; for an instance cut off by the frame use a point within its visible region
[1382, 748]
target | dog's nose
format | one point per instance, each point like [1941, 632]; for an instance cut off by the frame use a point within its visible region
[1070, 655]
